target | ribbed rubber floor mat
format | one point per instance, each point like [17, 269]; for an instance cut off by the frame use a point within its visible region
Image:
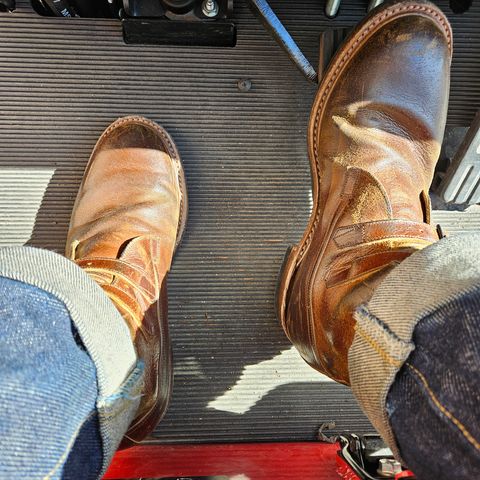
[63, 81]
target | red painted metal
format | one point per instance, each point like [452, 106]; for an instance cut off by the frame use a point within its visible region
[344, 471]
[261, 461]
[407, 474]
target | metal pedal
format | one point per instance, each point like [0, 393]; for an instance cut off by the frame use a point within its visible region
[461, 183]
[330, 41]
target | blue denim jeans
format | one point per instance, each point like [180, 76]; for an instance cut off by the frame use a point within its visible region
[48, 387]
[70, 381]
[415, 360]
[434, 403]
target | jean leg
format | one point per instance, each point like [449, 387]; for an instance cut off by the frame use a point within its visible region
[65, 326]
[434, 403]
[400, 330]
[85, 459]
[48, 385]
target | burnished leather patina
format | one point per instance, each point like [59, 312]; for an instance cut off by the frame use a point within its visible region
[374, 138]
[127, 221]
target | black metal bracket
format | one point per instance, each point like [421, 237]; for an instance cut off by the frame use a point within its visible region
[157, 31]
[364, 455]
[7, 5]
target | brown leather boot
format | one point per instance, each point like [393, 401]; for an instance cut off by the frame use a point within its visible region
[127, 221]
[374, 137]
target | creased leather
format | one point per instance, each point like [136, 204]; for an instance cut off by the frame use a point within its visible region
[375, 134]
[123, 233]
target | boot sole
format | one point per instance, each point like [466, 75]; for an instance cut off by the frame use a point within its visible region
[376, 20]
[144, 425]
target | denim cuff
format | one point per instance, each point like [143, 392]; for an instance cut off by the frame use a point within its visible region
[102, 330]
[420, 285]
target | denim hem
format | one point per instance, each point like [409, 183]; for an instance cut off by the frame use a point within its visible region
[117, 411]
[102, 330]
[375, 357]
[420, 285]
[433, 403]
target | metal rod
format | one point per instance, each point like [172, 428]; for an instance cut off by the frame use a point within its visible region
[267, 16]
[373, 3]
[332, 7]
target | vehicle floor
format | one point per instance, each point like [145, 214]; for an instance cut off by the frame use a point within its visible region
[237, 378]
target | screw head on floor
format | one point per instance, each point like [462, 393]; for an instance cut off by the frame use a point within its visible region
[244, 85]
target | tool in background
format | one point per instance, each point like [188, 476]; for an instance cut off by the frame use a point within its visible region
[330, 39]
[271, 22]
[461, 184]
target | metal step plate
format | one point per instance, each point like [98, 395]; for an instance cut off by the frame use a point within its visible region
[63, 81]
[461, 184]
